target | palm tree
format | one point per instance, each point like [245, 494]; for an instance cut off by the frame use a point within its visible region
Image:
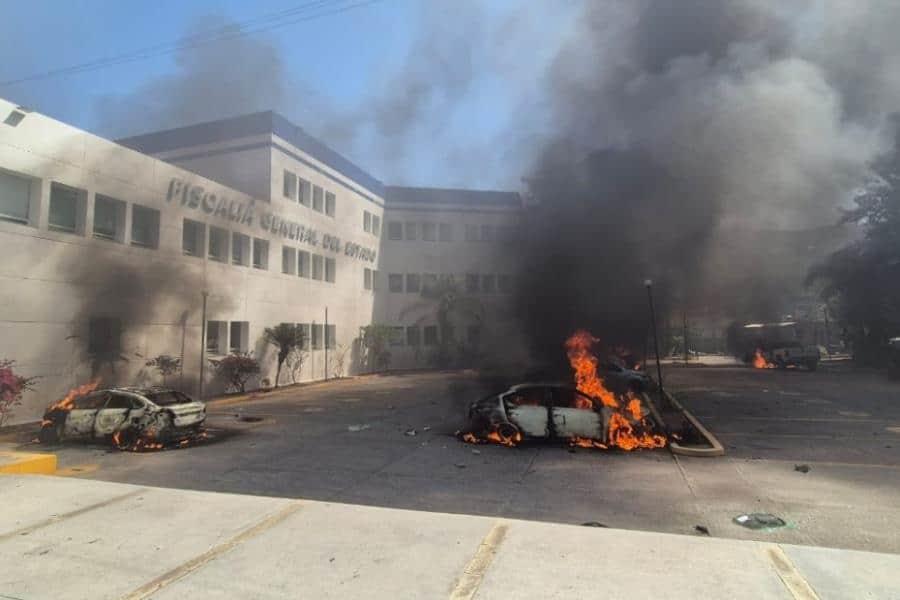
[446, 300]
[287, 338]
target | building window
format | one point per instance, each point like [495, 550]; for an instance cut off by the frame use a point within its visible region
[445, 232]
[367, 221]
[471, 233]
[429, 281]
[376, 225]
[215, 336]
[318, 266]
[504, 284]
[109, 218]
[487, 233]
[488, 285]
[329, 204]
[317, 198]
[15, 198]
[305, 329]
[305, 191]
[330, 336]
[290, 185]
[240, 249]
[144, 227]
[260, 254]
[396, 338]
[65, 206]
[218, 244]
[430, 335]
[429, 232]
[395, 282]
[302, 263]
[412, 335]
[104, 336]
[410, 230]
[413, 283]
[367, 279]
[395, 230]
[330, 270]
[472, 283]
[288, 261]
[317, 335]
[238, 336]
[193, 237]
[375, 285]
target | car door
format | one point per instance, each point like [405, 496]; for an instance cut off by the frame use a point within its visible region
[527, 409]
[116, 414]
[81, 419]
[574, 415]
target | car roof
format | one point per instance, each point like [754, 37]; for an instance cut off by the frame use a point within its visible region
[554, 384]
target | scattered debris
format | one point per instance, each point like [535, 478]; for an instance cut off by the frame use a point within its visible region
[250, 419]
[593, 524]
[759, 521]
[410, 432]
[460, 465]
[701, 529]
[362, 427]
[426, 428]
[571, 450]
[802, 468]
[475, 451]
[331, 559]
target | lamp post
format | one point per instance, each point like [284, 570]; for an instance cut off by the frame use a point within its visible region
[203, 341]
[649, 285]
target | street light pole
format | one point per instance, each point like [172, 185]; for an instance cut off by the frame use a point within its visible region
[649, 285]
[203, 342]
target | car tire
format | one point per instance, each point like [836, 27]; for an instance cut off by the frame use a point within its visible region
[125, 439]
[509, 433]
[51, 434]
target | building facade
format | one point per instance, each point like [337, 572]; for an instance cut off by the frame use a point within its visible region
[190, 242]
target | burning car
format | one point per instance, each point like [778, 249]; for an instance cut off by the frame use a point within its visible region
[129, 417]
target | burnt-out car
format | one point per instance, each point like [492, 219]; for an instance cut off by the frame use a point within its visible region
[124, 415]
[539, 410]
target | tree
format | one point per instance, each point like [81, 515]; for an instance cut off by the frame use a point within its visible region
[861, 282]
[236, 370]
[165, 364]
[445, 301]
[375, 339]
[287, 338]
[12, 387]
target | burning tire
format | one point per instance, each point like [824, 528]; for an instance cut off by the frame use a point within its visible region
[51, 433]
[509, 433]
[125, 439]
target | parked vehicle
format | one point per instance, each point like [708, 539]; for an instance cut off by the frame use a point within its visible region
[124, 415]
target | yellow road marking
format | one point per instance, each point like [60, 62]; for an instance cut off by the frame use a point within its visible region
[790, 576]
[474, 572]
[181, 571]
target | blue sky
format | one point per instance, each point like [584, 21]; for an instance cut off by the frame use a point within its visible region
[339, 69]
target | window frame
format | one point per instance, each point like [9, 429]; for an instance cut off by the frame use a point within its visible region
[136, 209]
[260, 259]
[226, 248]
[120, 209]
[29, 184]
[199, 235]
[80, 197]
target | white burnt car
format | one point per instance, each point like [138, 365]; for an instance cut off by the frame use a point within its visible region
[539, 410]
[124, 415]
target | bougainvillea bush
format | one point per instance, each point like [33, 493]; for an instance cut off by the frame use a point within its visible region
[12, 387]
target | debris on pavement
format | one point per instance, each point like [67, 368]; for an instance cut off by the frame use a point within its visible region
[701, 529]
[593, 524]
[410, 432]
[460, 465]
[426, 428]
[802, 468]
[476, 451]
[361, 427]
[759, 521]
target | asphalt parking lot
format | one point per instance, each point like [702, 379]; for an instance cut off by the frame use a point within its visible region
[388, 441]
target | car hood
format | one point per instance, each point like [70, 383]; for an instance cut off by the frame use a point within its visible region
[187, 408]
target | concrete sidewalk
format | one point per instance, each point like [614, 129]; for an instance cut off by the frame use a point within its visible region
[68, 538]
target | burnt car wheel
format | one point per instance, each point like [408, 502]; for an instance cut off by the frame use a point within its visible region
[51, 434]
[125, 439]
[508, 433]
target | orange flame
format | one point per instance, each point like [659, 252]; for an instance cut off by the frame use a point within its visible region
[68, 402]
[760, 362]
[628, 428]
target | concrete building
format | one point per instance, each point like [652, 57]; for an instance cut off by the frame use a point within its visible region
[110, 248]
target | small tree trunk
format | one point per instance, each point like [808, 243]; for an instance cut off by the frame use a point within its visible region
[278, 372]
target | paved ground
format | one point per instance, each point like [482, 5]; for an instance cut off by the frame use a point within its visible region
[66, 538]
[346, 441]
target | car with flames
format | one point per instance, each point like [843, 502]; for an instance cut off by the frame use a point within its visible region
[634, 379]
[540, 410]
[124, 415]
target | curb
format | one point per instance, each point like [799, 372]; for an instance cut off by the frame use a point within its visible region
[22, 463]
[717, 448]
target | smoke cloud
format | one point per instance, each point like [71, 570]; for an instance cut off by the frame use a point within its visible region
[685, 136]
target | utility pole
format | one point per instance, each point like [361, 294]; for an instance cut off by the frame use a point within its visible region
[203, 342]
[325, 335]
[649, 285]
[684, 335]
